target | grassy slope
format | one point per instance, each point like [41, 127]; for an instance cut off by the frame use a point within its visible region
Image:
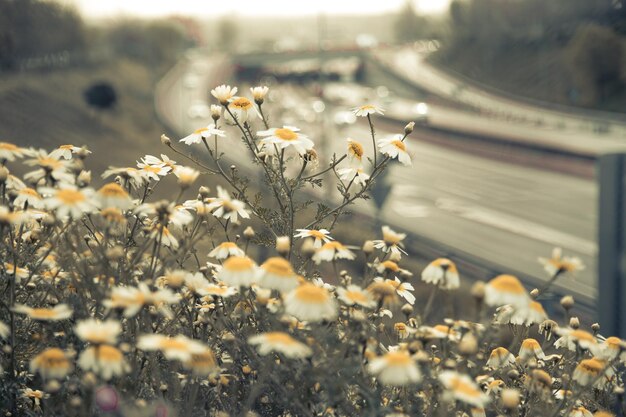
[527, 71]
[46, 109]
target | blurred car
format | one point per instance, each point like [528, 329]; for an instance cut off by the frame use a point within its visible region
[344, 118]
[199, 110]
[421, 111]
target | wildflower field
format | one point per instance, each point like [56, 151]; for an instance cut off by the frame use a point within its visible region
[235, 302]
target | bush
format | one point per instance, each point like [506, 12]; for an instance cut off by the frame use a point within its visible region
[109, 306]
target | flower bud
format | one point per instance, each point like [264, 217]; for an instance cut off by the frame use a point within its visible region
[510, 398]
[478, 291]
[574, 323]
[84, 178]
[283, 244]
[216, 112]
[368, 247]
[248, 232]
[4, 173]
[468, 345]
[567, 302]
[534, 293]
[595, 327]
[307, 248]
[204, 191]
[408, 129]
[407, 309]
[165, 140]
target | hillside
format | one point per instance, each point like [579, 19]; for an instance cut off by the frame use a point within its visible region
[47, 109]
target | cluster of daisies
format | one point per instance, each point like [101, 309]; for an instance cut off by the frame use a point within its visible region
[111, 300]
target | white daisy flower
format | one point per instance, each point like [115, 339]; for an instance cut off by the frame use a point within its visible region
[52, 363]
[558, 263]
[286, 136]
[226, 207]
[392, 241]
[104, 360]
[68, 200]
[28, 195]
[462, 388]
[395, 368]
[9, 151]
[331, 251]
[593, 371]
[135, 177]
[506, 289]
[366, 110]
[173, 348]
[113, 195]
[66, 151]
[572, 337]
[394, 147]
[355, 295]
[164, 161]
[319, 236]
[202, 133]
[48, 166]
[186, 176]
[500, 357]
[276, 273]
[241, 108]
[310, 303]
[355, 153]
[218, 290]
[443, 273]
[223, 93]
[530, 349]
[280, 342]
[153, 172]
[357, 175]
[225, 250]
[238, 271]
[58, 312]
[402, 288]
[98, 332]
[196, 282]
[259, 93]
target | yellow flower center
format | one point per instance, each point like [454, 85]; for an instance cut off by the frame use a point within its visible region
[70, 197]
[66, 147]
[464, 388]
[310, 293]
[278, 266]
[112, 190]
[198, 131]
[8, 146]
[316, 234]
[242, 103]
[238, 263]
[355, 149]
[357, 297]
[399, 144]
[50, 163]
[42, 313]
[286, 134]
[507, 283]
[398, 359]
[391, 265]
[279, 338]
[173, 344]
[29, 192]
[109, 354]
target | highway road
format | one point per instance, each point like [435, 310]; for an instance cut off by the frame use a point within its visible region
[568, 128]
[506, 214]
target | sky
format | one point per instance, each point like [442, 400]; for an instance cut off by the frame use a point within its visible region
[207, 8]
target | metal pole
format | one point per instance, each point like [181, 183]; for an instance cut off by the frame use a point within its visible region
[612, 244]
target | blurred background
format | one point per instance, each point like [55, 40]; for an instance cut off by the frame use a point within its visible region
[515, 101]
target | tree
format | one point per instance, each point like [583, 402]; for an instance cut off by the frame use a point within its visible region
[596, 57]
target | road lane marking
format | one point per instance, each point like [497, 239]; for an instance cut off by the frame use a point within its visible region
[518, 226]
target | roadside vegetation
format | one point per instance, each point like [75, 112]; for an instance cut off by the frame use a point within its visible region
[564, 51]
